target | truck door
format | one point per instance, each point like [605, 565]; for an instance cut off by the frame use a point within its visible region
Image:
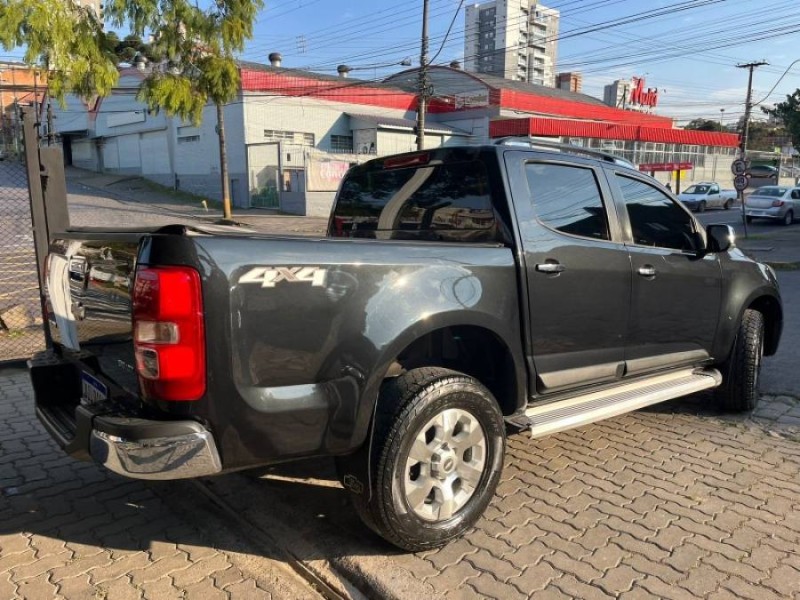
[576, 270]
[714, 197]
[675, 299]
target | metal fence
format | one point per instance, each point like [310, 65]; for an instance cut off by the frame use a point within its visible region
[21, 331]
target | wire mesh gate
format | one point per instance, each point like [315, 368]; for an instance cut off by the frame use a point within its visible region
[20, 310]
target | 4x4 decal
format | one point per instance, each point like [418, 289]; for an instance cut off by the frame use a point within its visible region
[269, 276]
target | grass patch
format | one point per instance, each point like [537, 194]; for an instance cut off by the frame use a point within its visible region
[180, 195]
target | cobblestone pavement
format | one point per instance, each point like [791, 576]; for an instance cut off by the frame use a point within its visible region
[676, 501]
[70, 530]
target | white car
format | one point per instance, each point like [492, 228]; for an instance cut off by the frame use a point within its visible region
[707, 194]
[777, 202]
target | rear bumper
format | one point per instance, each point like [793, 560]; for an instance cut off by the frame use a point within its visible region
[110, 434]
[177, 456]
[766, 213]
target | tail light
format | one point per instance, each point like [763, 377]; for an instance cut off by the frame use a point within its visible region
[777, 203]
[168, 333]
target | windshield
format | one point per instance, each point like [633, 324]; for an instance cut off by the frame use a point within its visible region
[771, 192]
[697, 189]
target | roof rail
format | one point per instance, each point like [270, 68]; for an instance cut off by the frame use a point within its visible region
[532, 143]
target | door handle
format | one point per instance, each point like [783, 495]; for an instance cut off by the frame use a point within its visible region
[550, 267]
[647, 271]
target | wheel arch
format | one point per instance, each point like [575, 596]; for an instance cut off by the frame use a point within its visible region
[771, 308]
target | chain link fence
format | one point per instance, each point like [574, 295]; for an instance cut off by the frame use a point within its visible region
[21, 332]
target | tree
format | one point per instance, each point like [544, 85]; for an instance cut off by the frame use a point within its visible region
[192, 51]
[788, 112]
[704, 125]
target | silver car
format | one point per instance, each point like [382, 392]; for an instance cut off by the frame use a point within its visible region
[774, 202]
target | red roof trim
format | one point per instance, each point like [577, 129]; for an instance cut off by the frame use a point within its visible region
[352, 92]
[528, 102]
[610, 131]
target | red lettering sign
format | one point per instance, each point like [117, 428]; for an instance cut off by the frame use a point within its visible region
[673, 166]
[642, 98]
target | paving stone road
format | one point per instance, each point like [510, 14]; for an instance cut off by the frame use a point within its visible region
[70, 530]
[675, 501]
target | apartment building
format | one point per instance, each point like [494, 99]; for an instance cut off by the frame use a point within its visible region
[513, 39]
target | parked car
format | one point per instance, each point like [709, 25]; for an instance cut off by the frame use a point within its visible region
[707, 195]
[461, 290]
[781, 203]
[761, 175]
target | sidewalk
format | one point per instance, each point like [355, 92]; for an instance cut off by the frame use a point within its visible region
[130, 188]
[780, 249]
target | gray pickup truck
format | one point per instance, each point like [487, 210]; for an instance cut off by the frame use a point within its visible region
[458, 292]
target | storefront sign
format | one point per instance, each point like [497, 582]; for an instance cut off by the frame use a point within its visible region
[472, 99]
[671, 166]
[640, 97]
[325, 175]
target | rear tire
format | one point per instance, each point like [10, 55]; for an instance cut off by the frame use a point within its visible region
[702, 206]
[749, 219]
[728, 204]
[788, 218]
[740, 373]
[438, 447]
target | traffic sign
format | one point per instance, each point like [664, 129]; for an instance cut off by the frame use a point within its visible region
[740, 182]
[738, 167]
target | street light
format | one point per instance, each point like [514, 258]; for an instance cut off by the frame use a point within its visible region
[344, 70]
[721, 117]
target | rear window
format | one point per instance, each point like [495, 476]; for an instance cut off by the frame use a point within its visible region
[438, 202]
[770, 192]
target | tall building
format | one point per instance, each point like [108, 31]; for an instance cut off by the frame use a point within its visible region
[96, 5]
[569, 81]
[514, 39]
[615, 94]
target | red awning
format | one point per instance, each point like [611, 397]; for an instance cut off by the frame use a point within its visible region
[544, 126]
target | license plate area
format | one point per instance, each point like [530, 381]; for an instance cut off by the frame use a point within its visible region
[92, 389]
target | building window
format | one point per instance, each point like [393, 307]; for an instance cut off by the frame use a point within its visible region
[188, 138]
[342, 143]
[294, 137]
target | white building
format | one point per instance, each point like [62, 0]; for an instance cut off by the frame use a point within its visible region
[290, 135]
[514, 39]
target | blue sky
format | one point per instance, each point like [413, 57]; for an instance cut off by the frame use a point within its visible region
[689, 55]
[680, 51]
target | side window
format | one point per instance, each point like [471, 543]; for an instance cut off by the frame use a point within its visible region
[656, 220]
[568, 199]
[796, 194]
[715, 189]
[449, 201]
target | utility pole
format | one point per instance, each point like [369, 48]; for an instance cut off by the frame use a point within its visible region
[223, 164]
[748, 106]
[422, 103]
[50, 134]
[721, 118]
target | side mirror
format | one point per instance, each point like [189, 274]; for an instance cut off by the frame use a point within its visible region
[721, 238]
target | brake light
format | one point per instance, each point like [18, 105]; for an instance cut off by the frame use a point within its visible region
[777, 203]
[168, 333]
[409, 160]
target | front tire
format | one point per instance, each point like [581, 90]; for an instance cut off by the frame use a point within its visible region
[740, 373]
[788, 218]
[438, 447]
[702, 206]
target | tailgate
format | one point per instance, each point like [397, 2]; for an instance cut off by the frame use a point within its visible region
[88, 292]
[759, 202]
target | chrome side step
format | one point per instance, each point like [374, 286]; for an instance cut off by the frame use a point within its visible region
[596, 406]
